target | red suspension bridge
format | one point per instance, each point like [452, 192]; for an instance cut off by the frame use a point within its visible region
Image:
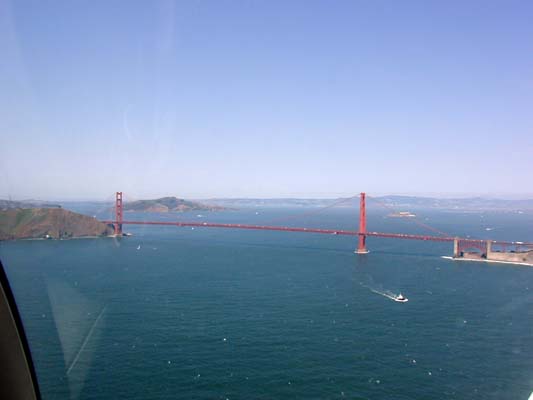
[460, 244]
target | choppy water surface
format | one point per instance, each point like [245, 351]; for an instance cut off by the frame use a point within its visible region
[180, 313]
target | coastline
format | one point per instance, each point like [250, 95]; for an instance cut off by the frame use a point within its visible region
[487, 261]
[56, 239]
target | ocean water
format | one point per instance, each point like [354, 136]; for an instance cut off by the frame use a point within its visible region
[181, 313]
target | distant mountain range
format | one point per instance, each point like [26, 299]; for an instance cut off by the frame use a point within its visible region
[402, 202]
[174, 204]
[250, 202]
[273, 202]
[166, 204]
[472, 203]
[7, 204]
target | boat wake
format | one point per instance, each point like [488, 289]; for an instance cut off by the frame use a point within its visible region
[384, 293]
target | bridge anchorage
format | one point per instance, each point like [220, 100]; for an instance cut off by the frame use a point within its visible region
[522, 253]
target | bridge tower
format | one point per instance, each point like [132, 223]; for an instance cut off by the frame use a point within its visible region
[361, 248]
[118, 213]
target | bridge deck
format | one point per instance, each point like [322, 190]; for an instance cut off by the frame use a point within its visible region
[316, 230]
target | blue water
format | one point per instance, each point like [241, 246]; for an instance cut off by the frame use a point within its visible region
[216, 314]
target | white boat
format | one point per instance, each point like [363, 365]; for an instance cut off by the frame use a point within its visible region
[401, 299]
[402, 214]
[139, 247]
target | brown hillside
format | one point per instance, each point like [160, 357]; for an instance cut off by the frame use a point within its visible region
[55, 222]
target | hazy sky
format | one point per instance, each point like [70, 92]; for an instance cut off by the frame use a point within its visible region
[265, 98]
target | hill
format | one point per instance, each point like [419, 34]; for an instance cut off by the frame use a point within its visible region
[6, 204]
[53, 223]
[166, 204]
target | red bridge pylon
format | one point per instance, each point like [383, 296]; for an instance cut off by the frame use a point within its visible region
[118, 214]
[361, 248]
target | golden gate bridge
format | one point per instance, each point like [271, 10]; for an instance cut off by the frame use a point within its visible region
[460, 244]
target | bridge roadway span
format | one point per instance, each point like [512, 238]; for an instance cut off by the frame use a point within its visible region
[315, 230]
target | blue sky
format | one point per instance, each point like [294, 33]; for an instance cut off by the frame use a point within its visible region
[265, 98]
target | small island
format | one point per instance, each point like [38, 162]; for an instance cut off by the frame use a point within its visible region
[49, 223]
[169, 204]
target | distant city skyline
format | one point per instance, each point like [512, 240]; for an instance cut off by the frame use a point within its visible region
[270, 99]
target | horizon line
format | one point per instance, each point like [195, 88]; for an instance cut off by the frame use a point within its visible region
[440, 196]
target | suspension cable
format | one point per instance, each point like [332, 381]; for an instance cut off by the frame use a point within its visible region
[415, 220]
[314, 212]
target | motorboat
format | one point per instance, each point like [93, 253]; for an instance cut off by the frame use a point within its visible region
[401, 298]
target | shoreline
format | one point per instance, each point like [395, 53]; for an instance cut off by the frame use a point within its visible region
[487, 261]
[56, 239]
